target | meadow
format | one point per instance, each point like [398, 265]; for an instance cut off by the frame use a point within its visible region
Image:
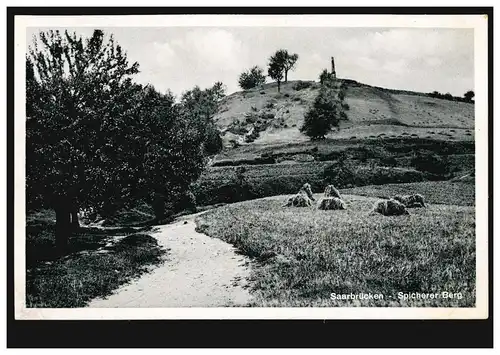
[98, 262]
[438, 192]
[304, 254]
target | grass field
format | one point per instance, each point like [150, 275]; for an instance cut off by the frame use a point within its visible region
[99, 261]
[441, 192]
[305, 254]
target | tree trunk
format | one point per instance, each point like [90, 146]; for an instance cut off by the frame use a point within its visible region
[159, 206]
[286, 76]
[278, 86]
[63, 228]
[75, 224]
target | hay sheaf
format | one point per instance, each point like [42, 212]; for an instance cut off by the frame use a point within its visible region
[303, 198]
[331, 191]
[415, 200]
[332, 203]
[390, 208]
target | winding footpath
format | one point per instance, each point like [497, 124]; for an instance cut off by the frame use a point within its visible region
[199, 271]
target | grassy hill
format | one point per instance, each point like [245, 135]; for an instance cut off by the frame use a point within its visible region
[372, 111]
[392, 142]
[389, 136]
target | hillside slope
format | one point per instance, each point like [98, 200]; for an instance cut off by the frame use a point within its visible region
[373, 112]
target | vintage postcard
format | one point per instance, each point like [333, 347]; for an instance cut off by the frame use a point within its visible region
[251, 167]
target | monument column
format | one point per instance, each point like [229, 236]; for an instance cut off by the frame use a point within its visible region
[333, 69]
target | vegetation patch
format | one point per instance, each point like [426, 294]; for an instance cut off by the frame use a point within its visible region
[460, 193]
[221, 184]
[306, 254]
[301, 85]
[98, 262]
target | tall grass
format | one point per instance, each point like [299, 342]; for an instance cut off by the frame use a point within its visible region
[99, 262]
[443, 192]
[306, 254]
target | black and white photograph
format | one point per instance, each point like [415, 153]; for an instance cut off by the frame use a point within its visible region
[248, 166]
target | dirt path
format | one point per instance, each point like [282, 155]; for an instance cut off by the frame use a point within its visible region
[199, 271]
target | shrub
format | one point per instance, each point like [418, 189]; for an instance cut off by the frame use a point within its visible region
[323, 115]
[341, 95]
[213, 140]
[324, 76]
[185, 201]
[341, 174]
[234, 143]
[269, 105]
[468, 96]
[237, 128]
[252, 78]
[345, 175]
[250, 118]
[431, 163]
[300, 85]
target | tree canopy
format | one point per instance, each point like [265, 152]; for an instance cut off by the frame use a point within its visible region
[95, 138]
[289, 61]
[275, 70]
[326, 110]
[252, 78]
[469, 95]
[280, 63]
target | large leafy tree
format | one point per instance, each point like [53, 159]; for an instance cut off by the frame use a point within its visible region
[173, 152]
[96, 139]
[201, 105]
[79, 97]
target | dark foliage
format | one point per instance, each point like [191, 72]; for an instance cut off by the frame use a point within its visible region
[95, 139]
[432, 163]
[301, 85]
[450, 97]
[325, 113]
[252, 78]
[469, 95]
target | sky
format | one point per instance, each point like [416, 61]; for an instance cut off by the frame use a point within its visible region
[178, 58]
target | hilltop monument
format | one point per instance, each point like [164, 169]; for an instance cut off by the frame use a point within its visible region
[334, 75]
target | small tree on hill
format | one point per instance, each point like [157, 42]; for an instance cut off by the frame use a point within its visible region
[448, 96]
[252, 78]
[324, 76]
[322, 116]
[469, 95]
[326, 111]
[275, 71]
[289, 61]
[280, 63]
